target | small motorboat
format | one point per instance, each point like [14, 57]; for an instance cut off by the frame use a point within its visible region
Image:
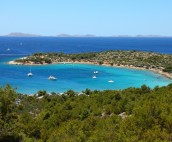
[94, 77]
[111, 81]
[96, 72]
[8, 49]
[52, 77]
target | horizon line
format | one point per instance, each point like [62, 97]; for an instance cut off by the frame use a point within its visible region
[21, 34]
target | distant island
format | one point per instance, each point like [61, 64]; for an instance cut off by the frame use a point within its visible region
[68, 35]
[16, 34]
[156, 62]
[20, 34]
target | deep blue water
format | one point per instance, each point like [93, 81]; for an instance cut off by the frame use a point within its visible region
[30, 45]
[75, 76]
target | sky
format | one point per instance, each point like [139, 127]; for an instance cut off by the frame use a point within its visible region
[79, 17]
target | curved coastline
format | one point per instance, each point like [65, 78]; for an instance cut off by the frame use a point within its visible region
[165, 74]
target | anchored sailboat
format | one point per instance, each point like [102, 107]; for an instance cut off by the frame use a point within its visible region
[30, 73]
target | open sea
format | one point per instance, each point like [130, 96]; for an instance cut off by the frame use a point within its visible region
[77, 77]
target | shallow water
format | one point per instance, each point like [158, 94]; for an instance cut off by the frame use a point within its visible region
[77, 77]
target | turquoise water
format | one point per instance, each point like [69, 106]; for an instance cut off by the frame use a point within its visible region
[77, 77]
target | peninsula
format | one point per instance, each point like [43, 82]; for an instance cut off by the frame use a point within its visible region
[156, 62]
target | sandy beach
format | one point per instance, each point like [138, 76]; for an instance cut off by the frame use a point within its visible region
[165, 74]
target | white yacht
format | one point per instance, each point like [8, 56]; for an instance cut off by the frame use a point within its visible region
[96, 72]
[94, 77]
[52, 77]
[111, 81]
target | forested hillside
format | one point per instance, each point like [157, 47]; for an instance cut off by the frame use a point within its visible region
[130, 115]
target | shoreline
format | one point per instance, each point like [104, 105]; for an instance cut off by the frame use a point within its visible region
[165, 74]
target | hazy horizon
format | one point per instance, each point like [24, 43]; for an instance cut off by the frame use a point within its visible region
[21, 34]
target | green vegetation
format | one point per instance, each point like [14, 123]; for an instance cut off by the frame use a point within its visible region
[130, 115]
[168, 69]
[147, 60]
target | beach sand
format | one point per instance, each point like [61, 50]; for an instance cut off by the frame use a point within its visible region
[158, 71]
